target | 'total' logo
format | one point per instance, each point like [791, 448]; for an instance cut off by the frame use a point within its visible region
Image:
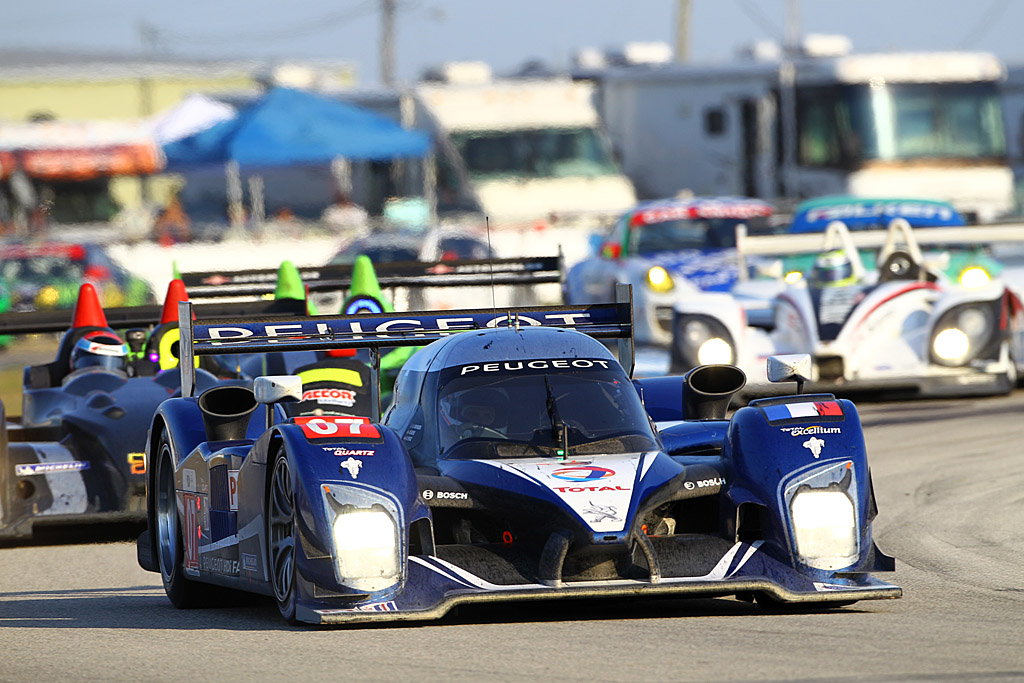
[588, 473]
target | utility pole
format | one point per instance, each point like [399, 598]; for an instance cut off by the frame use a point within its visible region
[682, 31]
[787, 97]
[792, 26]
[387, 42]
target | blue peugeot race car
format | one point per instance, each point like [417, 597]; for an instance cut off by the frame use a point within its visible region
[516, 461]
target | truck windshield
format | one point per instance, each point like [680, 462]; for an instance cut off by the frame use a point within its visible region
[535, 153]
[518, 408]
[843, 126]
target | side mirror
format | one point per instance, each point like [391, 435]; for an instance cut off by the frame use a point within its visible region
[277, 388]
[611, 250]
[790, 367]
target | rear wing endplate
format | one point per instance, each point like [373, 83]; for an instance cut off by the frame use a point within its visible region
[412, 274]
[277, 334]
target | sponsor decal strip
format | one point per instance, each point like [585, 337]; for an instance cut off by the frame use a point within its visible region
[50, 467]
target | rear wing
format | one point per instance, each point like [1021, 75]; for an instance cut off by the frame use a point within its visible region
[204, 337]
[413, 274]
[40, 322]
[899, 232]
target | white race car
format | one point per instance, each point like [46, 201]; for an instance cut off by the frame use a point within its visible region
[905, 326]
[670, 250]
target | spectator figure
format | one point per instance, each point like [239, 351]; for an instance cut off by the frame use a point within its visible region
[173, 225]
[344, 213]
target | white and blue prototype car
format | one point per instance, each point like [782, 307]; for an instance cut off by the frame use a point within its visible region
[671, 251]
[516, 461]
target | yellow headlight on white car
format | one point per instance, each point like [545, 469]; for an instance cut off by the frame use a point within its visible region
[659, 280]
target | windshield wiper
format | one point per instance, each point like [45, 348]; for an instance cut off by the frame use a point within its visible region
[559, 430]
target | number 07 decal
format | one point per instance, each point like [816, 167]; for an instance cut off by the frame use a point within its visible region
[338, 427]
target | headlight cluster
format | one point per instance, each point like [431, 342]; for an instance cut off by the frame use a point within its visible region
[963, 333]
[824, 528]
[365, 539]
[659, 280]
[700, 340]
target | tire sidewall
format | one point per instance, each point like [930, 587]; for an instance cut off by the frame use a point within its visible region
[288, 606]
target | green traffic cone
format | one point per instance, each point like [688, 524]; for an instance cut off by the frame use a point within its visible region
[289, 282]
[364, 282]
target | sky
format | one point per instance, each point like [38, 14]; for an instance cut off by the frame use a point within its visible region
[503, 34]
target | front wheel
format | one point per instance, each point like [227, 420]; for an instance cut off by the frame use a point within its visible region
[281, 537]
[183, 593]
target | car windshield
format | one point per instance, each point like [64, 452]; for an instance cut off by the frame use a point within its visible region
[535, 153]
[453, 248]
[690, 233]
[516, 409]
[42, 270]
[390, 252]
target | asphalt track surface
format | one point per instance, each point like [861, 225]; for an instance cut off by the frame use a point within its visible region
[949, 477]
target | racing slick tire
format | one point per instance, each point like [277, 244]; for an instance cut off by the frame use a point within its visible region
[282, 537]
[182, 592]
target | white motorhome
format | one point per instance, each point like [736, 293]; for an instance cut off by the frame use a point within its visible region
[823, 122]
[523, 149]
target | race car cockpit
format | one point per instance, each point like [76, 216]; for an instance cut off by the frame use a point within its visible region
[544, 407]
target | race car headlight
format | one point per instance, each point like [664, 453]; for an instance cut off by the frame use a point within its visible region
[824, 528]
[964, 333]
[366, 549]
[659, 280]
[974, 278]
[951, 345]
[793, 276]
[715, 351]
[701, 340]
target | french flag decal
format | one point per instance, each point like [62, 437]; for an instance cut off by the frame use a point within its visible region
[788, 411]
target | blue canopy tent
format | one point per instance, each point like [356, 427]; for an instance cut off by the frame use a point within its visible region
[288, 127]
[293, 129]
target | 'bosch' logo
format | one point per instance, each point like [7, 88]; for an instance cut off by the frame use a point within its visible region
[588, 473]
[445, 495]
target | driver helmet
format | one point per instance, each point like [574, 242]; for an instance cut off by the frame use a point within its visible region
[479, 409]
[833, 269]
[100, 350]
